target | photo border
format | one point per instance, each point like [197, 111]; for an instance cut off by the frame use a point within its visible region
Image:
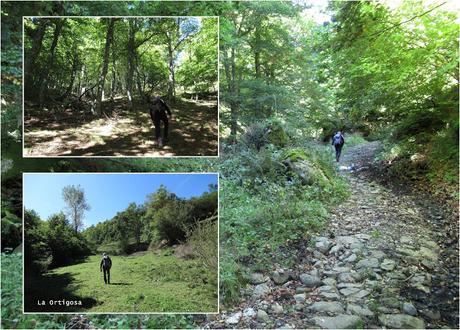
[114, 156]
[132, 313]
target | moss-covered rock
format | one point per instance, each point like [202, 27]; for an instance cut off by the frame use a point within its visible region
[277, 134]
[300, 162]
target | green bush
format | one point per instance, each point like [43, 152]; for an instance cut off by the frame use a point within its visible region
[203, 239]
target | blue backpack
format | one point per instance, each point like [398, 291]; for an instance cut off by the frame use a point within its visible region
[338, 139]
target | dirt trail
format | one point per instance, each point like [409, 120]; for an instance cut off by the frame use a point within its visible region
[385, 261]
[193, 132]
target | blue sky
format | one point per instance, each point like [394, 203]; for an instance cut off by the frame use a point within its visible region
[107, 194]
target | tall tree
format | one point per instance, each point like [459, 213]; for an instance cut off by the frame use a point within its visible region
[105, 64]
[44, 79]
[74, 197]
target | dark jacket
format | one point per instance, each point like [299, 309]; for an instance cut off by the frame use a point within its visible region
[158, 105]
[109, 263]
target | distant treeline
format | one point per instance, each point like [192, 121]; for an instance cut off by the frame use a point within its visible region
[163, 218]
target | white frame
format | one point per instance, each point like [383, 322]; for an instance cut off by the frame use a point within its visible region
[133, 313]
[114, 156]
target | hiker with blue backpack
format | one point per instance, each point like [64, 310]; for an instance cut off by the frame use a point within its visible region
[338, 141]
[106, 264]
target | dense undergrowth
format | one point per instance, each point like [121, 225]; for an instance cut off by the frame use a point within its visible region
[426, 157]
[265, 206]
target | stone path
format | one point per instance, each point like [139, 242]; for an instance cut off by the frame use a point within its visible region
[383, 263]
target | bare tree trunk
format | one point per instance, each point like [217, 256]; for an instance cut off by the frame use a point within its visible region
[114, 75]
[171, 79]
[130, 73]
[100, 88]
[45, 72]
[29, 61]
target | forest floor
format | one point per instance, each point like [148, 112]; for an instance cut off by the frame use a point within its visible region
[142, 282]
[389, 258]
[193, 131]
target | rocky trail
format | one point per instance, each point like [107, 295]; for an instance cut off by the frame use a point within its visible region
[385, 261]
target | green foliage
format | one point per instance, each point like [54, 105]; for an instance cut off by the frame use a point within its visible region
[202, 238]
[11, 228]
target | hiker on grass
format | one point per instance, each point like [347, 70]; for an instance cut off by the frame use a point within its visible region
[158, 109]
[338, 141]
[106, 264]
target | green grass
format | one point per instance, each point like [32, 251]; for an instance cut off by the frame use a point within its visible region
[141, 283]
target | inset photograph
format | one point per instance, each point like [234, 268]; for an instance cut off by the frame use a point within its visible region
[120, 243]
[120, 86]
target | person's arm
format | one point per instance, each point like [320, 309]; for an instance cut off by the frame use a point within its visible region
[110, 262]
[166, 107]
[101, 266]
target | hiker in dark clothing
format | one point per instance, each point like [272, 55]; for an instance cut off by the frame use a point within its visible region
[106, 264]
[338, 141]
[158, 109]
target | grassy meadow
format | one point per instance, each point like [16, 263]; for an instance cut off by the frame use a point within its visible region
[142, 282]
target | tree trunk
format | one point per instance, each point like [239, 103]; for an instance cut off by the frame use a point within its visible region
[130, 73]
[171, 80]
[45, 72]
[32, 56]
[114, 75]
[100, 89]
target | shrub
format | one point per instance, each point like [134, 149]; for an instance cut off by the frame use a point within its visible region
[203, 239]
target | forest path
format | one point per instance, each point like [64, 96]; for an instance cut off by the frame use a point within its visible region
[384, 261]
[193, 132]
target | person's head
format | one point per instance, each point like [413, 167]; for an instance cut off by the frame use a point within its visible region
[104, 255]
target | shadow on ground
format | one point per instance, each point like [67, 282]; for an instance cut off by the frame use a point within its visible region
[49, 293]
[193, 131]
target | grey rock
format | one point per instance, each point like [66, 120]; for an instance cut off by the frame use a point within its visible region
[401, 321]
[298, 307]
[336, 249]
[301, 289]
[349, 285]
[349, 277]
[347, 240]
[261, 290]
[234, 318]
[434, 315]
[357, 246]
[360, 311]
[329, 281]
[326, 288]
[349, 291]
[339, 322]
[396, 275]
[330, 295]
[323, 246]
[318, 255]
[277, 309]
[280, 277]
[327, 307]
[262, 316]
[352, 258]
[340, 269]
[300, 298]
[257, 278]
[409, 309]
[378, 254]
[361, 294]
[310, 280]
[368, 263]
[249, 312]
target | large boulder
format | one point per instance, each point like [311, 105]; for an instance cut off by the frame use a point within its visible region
[301, 163]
